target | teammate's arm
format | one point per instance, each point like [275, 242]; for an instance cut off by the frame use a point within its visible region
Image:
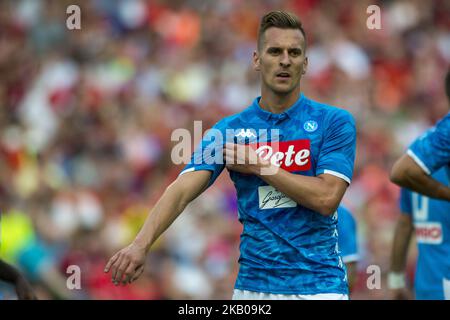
[407, 173]
[402, 238]
[10, 274]
[322, 193]
[128, 264]
[352, 274]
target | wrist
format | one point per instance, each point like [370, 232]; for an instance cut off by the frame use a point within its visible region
[264, 167]
[396, 280]
[444, 192]
[142, 244]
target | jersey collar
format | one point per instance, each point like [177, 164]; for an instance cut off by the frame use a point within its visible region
[289, 113]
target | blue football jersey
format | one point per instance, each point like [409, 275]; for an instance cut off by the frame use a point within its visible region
[347, 236]
[431, 151]
[431, 219]
[285, 247]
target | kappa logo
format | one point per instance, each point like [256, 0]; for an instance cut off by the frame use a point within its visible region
[310, 126]
[245, 133]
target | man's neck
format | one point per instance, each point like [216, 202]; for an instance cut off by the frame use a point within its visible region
[278, 103]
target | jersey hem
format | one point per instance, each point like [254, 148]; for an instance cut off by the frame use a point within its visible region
[288, 291]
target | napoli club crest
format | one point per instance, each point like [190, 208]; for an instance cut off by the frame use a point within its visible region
[310, 126]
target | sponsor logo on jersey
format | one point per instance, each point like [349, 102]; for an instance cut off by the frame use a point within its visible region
[428, 232]
[271, 198]
[294, 155]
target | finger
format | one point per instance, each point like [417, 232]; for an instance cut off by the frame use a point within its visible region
[121, 270]
[137, 273]
[115, 268]
[129, 272]
[110, 262]
[228, 150]
[229, 153]
[229, 145]
[230, 160]
[241, 154]
[252, 156]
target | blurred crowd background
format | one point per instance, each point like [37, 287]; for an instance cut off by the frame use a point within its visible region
[86, 118]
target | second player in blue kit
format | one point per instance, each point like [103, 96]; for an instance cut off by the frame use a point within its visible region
[430, 219]
[426, 155]
[425, 170]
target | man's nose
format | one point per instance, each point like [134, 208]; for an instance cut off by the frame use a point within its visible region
[285, 61]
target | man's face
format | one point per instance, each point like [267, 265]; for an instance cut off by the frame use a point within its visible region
[281, 60]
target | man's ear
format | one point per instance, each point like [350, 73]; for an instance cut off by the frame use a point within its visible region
[256, 61]
[305, 65]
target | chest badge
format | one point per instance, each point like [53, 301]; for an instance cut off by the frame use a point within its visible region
[310, 126]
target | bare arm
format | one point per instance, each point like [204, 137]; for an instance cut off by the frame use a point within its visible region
[177, 196]
[322, 193]
[408, 174]
[129, 261]
[402, 238]
[10, 274]
[352, 274]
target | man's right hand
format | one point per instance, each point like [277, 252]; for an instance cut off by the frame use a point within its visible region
[127, 264]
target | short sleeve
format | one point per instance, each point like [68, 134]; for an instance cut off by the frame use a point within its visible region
[405, 201]
[347, 236]
[209, 154]
[337, 155]
[431, 151]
